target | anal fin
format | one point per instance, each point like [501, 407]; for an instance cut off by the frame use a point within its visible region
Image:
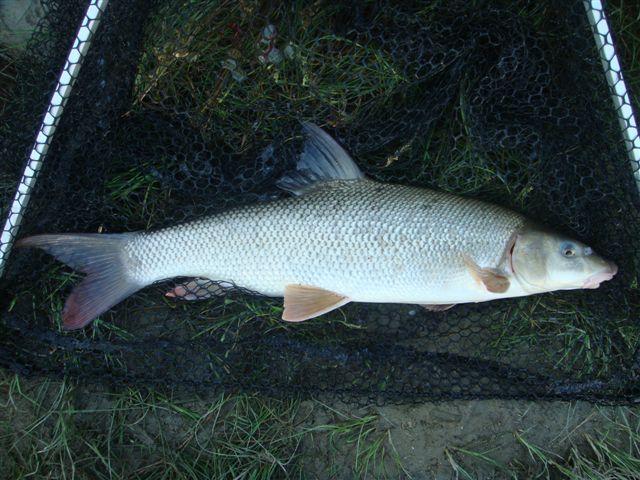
[302, 302]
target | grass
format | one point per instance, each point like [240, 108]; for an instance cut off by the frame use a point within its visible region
[8, 186]
[65, 431]
[373, 452]
[604, 455]
[233, 313]
[55, 429]
[141, 434]
[451, 163]
[569, 334]
[613, 453]
[195, 49]
[209, 55]
[624, 19]
[460, 471]
[7, 77]
[137, 195]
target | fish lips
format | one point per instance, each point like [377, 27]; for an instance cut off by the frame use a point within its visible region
[595, 280]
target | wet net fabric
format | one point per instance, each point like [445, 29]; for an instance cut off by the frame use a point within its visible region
[183, 110]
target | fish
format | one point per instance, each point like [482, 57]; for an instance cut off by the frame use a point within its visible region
[339, 237]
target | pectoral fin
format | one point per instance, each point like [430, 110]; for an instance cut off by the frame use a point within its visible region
[493, 280]
[438, 308]
[302, 302]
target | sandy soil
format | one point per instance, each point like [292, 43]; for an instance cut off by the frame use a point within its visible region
[421, 433]
[419, 441]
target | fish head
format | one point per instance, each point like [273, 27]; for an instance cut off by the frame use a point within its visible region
[544, 261]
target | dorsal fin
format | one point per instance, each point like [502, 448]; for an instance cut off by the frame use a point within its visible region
[322, 160]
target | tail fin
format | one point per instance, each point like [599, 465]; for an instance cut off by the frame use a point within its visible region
[102, 258]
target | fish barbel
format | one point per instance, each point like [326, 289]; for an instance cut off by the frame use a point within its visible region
[340, 238]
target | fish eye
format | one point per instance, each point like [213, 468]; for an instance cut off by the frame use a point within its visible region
[568, 250]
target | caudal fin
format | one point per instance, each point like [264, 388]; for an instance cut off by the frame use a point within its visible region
[102, 258]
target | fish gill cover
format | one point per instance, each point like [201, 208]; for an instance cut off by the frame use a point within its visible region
[186, 108]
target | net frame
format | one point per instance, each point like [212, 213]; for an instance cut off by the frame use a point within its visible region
[618, 87]
[50, 121]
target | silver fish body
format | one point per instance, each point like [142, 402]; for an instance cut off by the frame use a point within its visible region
[342, 238]
[365, 240]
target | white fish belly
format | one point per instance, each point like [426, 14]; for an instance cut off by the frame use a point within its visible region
[368, 241]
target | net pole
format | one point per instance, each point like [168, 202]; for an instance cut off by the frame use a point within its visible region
[48, 126]
[617, 85]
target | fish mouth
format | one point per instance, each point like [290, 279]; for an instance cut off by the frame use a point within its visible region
[595, 280]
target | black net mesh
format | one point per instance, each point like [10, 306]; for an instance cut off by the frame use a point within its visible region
[182, 109]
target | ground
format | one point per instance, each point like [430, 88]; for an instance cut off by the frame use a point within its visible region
[59, 430]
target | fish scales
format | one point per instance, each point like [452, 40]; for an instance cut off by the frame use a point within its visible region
[342, 238]
[369, 241]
